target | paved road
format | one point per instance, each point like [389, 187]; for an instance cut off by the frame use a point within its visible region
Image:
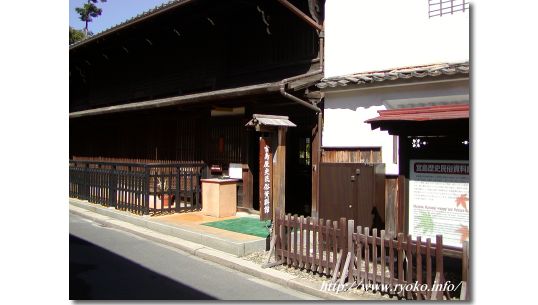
[106, 263]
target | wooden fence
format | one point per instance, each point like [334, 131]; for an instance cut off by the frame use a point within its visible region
[357, 255]
[137, 187]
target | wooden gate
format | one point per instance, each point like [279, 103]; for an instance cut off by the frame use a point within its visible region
[353, 190]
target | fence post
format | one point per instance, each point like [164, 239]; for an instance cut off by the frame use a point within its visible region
[439, 256]
[440, 276]
[113, 185]
[202, 174]
[86, 172]
[409, 272]
[343, 239]
[146, 189]
[178, 187]
[350, 227]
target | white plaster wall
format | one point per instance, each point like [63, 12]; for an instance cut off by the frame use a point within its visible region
[346, 111]
[368, 35]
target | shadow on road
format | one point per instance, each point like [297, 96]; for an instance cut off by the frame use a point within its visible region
[98, 274]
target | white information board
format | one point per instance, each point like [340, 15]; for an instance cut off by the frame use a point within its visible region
[235, 171]
[439, 200]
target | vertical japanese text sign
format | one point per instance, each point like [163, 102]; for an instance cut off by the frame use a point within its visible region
[266, 179]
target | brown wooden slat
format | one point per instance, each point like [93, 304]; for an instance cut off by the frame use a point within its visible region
[327, 239]
[336, 266]
[437, 294]
[295, 240]
[419, 267]
[366, 255]
[342, 231]
[382, 255]
[288, 242]
[428, 267]
[439, 255]
[320, 245]
[409, 265]
[359, 255]
[301, 237]
[308, 261]
[345, 270]
[374, 254]
[315, 230]
[351, 250]
[400, 261]
[334, 244]
[391, 262]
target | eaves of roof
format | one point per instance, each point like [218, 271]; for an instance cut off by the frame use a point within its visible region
[432, 113]
[394, 74]
[142, 16]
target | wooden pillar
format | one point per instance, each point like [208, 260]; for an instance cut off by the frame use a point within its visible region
[279, 173]
[403, 181]
[316, 158]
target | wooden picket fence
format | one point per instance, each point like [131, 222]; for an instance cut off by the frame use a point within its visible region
[151, 188]
[344, 252]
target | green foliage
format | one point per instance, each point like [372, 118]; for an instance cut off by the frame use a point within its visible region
[88, 12]
[75, 35]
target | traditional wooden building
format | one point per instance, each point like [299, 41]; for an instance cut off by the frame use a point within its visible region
[181, 81]
[423, 112]
[403, 82]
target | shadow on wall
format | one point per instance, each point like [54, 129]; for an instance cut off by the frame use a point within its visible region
[364, 99]
[377, 221]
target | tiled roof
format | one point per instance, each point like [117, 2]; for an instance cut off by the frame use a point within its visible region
[394, 74]
[442, 112]
[156, 10]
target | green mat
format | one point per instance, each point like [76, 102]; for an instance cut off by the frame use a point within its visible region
[245, 225]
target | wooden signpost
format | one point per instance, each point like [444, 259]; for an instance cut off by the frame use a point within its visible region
[272, 162]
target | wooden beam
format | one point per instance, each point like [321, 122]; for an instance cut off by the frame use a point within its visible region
[272, 249]
[437, 294]
[346, 269]
[301, 15]
[181, 100]
[269, 265]
[337, 266]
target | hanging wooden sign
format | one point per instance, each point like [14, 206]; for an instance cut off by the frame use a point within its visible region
[266, 179]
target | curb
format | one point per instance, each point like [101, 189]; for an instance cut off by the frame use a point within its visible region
[219, 257]
[229, 246]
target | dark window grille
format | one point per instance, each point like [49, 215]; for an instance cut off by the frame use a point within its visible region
[446, 7]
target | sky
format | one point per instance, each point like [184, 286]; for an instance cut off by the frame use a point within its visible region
[114, 12]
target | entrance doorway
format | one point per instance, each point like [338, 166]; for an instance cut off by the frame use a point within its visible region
[299, 172]
[354, 191]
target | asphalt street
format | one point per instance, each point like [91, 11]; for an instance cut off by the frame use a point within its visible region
[109, 264]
